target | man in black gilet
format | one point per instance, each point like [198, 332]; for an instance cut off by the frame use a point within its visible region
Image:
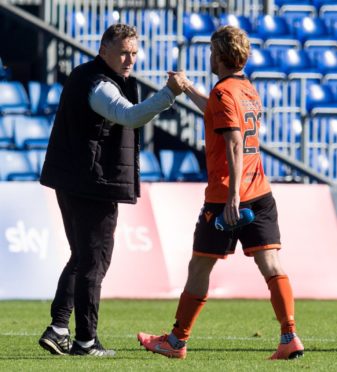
[92, 162]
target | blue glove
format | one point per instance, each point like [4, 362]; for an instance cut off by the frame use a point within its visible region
[246, 216]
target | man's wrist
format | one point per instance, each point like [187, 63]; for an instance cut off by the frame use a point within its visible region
[170, 93]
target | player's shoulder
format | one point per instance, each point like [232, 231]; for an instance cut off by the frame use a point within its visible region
[220, 92]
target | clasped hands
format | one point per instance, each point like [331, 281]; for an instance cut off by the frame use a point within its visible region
[178, 82]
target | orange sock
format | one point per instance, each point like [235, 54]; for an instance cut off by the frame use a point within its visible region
[187, 312]
[281, 297]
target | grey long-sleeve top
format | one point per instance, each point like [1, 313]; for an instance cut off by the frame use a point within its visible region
[106, 100]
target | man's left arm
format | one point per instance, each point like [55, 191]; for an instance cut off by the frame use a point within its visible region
[234, 153]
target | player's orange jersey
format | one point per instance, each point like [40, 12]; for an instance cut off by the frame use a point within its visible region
[233, 104]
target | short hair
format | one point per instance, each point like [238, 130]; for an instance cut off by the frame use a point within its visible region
[232, 46]
[118, 31]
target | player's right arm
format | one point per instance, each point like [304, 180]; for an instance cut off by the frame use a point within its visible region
[234, 154]
[199, 99]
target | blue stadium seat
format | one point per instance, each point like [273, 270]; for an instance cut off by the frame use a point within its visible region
[311, 28]
[319, 3]
[198, 27]
[294, 60]
[83, 23]
[37, 92]
[15, 166]
[44, 98]
[293, 13]
[149, 167]
[239, 21]
[31, 132]
[320, 99]
[53, 98]
[244, 23]
[13, 98]
[260, 60]
[272, 27]
[326, 62]
[298, 85]
[159, 21]
[180, 165]
[329, 15]
[316, 48]
[153, 22]
[278, 38]
[278, 47]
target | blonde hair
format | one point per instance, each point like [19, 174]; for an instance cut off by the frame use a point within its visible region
[232, 46]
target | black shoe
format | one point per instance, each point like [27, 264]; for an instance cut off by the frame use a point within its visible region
[95, 350]
[55, 343]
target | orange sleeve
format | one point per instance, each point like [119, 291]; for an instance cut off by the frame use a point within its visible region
[223, 111]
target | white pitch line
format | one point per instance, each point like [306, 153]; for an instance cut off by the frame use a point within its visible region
[225, 338]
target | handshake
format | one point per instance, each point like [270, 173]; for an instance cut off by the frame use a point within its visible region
[178, 82]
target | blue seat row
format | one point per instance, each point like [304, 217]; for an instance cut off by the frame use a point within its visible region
[24, 131]
[316, 3]
[38, 99]
[21, 165]
[151, 23]
[198, 27]
[173, 165]
[26, 165]
[289, 60]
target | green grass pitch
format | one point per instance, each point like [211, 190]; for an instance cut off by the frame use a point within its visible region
[230, 335]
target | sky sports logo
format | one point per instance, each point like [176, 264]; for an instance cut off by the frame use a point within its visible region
[22, 239]
[31, 240]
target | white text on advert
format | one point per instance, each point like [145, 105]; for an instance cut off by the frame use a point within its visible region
[23, 239]
[136, 238]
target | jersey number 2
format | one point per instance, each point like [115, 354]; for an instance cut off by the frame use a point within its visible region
[250, 132]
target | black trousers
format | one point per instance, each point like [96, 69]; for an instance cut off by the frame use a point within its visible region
[90, 227]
